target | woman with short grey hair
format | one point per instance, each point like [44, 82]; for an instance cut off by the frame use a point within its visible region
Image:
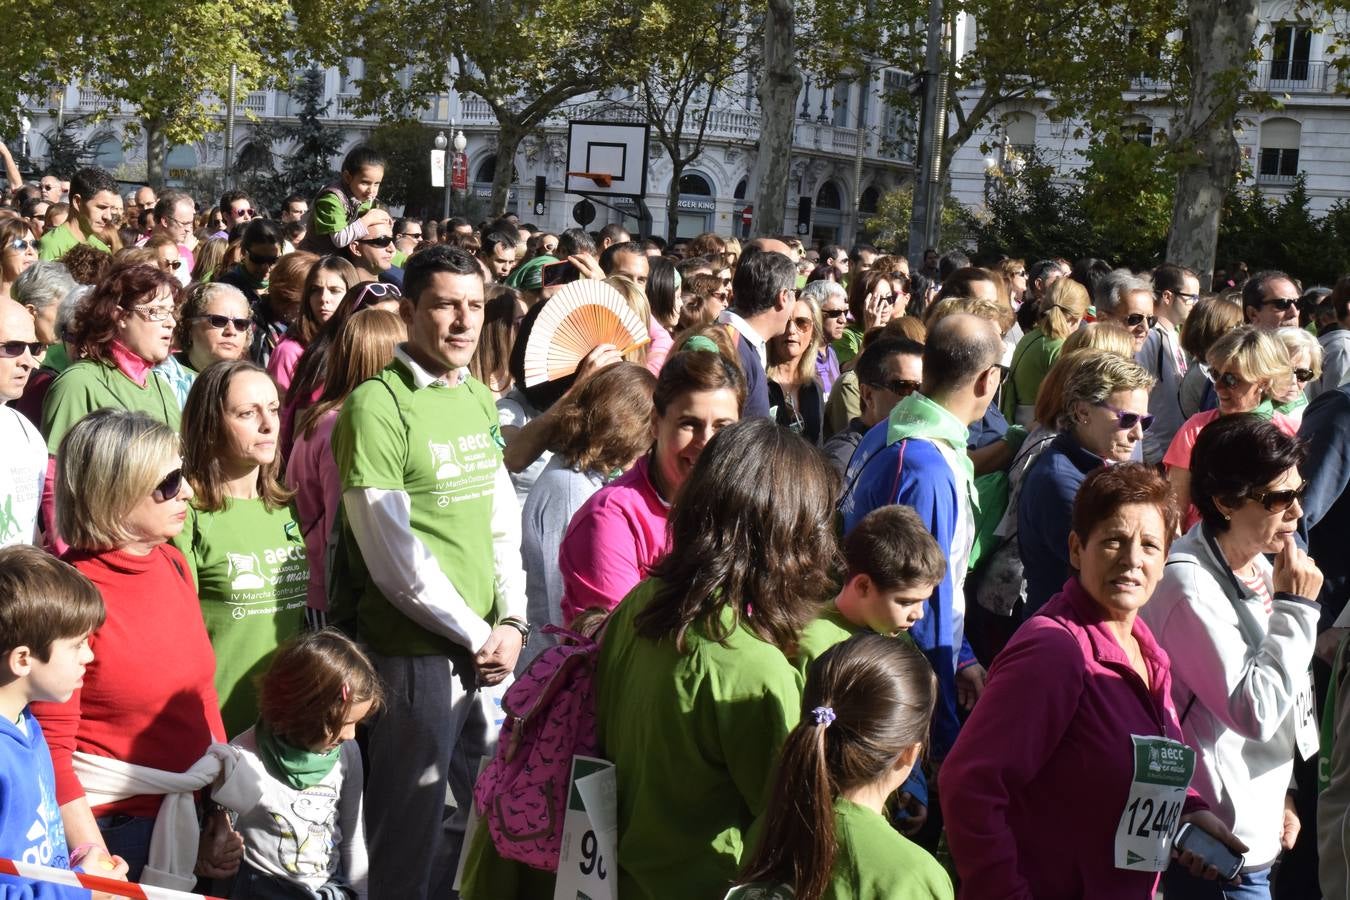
[48, 292]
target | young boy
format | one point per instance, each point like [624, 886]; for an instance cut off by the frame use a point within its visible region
[331, 228]
[894, 565]
[47, 613]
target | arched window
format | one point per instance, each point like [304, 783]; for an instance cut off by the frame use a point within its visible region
[869, 199]
[741, 187]
[1279, 150]
[108, 152]
[828, 197]
[695, 184]
[487, 169]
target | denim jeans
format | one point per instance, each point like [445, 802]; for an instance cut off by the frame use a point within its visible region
[129, 838]
[1178, 884]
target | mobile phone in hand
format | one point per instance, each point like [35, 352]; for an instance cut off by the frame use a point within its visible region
[1210, 849]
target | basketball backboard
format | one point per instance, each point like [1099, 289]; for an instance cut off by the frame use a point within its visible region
[615, 151]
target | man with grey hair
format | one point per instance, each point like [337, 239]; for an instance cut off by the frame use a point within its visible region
[1126, 299]
[832, 299]
[927, 431]
[23, 467]
[50, 296]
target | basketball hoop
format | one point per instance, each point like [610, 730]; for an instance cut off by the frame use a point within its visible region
[601, 179]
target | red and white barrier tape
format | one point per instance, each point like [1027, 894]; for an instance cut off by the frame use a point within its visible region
[94, 882]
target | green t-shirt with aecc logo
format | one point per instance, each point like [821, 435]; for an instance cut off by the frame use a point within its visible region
[252, 580]
[441, 446]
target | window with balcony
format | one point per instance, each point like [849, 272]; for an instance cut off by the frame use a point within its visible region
[1020, 129]
[842, 117]
[1291, 50]
[1278, 162]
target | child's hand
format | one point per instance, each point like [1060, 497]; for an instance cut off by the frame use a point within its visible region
[374, 216]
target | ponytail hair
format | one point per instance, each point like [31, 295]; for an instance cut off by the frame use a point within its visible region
[866, 701]
[1064, 304]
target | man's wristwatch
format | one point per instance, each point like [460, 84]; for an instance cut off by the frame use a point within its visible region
[519, 625]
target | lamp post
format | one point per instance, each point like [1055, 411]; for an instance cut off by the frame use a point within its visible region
[438, 169]
[460, 165]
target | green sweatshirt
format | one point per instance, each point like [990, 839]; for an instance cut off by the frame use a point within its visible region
[252, 580]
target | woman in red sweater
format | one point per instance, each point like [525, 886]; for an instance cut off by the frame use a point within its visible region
[148, 697]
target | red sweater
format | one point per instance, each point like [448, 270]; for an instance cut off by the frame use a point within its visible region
[149, 696]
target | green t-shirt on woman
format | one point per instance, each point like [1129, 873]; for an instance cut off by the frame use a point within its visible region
[89, 385]
[252, 580]
[694, 738]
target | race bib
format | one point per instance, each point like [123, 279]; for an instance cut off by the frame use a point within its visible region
[1305, 733]
[1152, 814]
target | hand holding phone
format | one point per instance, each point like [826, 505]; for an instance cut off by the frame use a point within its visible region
[1206, 855]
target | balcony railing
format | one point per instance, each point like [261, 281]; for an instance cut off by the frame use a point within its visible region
[1308, 76]
[254, 102]
[93, 100]
[1268, 179]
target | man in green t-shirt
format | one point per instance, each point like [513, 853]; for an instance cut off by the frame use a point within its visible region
[94, 210]
[431, 552]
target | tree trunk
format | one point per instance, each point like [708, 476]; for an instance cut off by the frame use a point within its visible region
[1221, 35]
[155, 153]
[778, 91]
[508, 141]
[673, 194]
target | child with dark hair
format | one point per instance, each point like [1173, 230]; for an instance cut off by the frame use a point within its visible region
[345, 209]
[297, 784]
[48, 610]
[864, 717]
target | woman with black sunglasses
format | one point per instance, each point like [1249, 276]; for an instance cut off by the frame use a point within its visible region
[18, 251]
[1241, 633]
[215, 325]
[148, 699]
[1103, 418]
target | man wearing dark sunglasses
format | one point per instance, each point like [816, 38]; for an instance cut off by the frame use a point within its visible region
[1270, 300]
[888, 371]
[1126, 299]
[373, 255]
[1176, 288]
[23, 464]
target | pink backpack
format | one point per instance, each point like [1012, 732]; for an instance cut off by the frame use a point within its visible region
[550, 717]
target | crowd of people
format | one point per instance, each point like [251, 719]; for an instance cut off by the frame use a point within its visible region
[995, 580]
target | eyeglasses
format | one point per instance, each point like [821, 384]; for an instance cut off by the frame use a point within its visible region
[20, 244]
[1226, 379]
[244, 213]
[383, 240]
[417, 236]
[898, 386]
[1303, 375]
[802, 324]
[221, 321]
[174, 264]
[262, 260]
[14, 349]
[179, 222]
[1127, 420]
[1134, 320]
[1189, 298]
[1283, 304]
[1279, 501]
[169, 488]
[834, 313]
[155, 313]
[1019, 273]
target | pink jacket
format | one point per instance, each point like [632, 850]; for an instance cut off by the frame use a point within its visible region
[312, 472]
[611, 542]
[1034, 788]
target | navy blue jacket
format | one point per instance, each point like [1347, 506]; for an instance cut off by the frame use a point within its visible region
[1043, 513]
[1326, 506]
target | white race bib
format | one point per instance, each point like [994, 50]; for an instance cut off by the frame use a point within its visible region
[1305, 733]
[1152, 814]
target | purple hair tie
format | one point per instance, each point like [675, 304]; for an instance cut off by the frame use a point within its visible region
[823, 715]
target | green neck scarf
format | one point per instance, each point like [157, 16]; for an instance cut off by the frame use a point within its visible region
[291, 765]
[1266, 410]
[918, 417]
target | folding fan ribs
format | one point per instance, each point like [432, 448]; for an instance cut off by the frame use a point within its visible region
[574, 321]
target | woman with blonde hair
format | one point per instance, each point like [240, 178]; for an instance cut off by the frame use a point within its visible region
[363, 347]
[1305, 356]
[794, 390]
[1249, 368]
[242, 543]
[502, 313]
[1104, 417]
[1062, 309]
[209, 259]
[1108, 336]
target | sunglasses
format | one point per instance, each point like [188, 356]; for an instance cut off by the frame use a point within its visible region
[169, 488]
[14, 349]
[174, 264]
[1134, 320]
[242, 213]
[803, 324]
[382, 241]
[416, 236]
[20, 244]
[1127, 420]
[898, 387]
[833, 313]
[1279, 501]
[1303, 375]
[373, 292]
[221, 321]
[262, 260]
[1283, 304]
[1226, 379]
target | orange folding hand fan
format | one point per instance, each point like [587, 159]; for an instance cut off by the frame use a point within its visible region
[574, 321]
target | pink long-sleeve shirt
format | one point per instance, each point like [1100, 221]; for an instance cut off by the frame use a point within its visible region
[1036, 784]
[312, 472]
[612, 542]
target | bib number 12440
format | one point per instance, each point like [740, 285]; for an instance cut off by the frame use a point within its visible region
[1152, 813]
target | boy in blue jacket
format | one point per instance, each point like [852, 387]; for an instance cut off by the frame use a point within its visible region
[47, 613]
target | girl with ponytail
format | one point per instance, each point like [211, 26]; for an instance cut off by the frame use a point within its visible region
[825, 833]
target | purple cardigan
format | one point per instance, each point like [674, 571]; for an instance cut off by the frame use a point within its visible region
[1035, 786]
